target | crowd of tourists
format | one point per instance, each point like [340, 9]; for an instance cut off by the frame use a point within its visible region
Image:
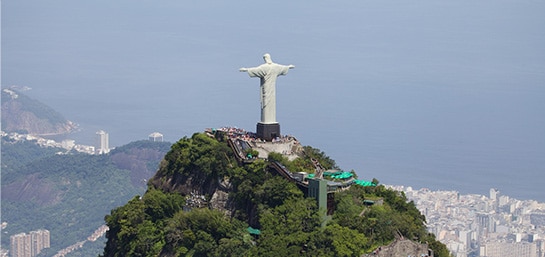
[239, 133]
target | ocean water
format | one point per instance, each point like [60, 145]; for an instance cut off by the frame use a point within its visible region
[444, 95]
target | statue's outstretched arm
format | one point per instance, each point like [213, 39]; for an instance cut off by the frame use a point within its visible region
[291, 66]
[243, 69]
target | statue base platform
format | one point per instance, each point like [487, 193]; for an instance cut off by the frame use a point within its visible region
[268, 131]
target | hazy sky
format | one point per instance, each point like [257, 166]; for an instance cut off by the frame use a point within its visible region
[448, 94]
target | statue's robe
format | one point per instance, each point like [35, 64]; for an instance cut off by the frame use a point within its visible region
[268, 73]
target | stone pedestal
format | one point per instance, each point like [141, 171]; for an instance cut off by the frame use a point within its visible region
[268, 131]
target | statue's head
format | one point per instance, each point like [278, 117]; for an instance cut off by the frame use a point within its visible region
[267, 58]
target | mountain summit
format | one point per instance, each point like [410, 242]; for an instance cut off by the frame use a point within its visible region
[216, 194]
[28, 116]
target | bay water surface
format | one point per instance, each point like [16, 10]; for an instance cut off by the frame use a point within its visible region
[438, 94]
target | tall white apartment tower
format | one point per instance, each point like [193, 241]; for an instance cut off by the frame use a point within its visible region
[39, 240]
[20, 245]
[103, 146]
[29, 245]
[494, 194]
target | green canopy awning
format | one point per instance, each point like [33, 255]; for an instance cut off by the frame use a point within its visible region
[253, 231]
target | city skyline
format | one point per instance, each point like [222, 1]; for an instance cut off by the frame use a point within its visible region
[472, 225]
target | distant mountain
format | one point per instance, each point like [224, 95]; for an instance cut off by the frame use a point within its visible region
[70, 194]
[28, 116]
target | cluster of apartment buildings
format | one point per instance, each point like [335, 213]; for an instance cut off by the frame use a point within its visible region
[102, 142]
[67, 144]
[480, 226]
[29, 245]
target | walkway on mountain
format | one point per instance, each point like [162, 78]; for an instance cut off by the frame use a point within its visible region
[240, 146]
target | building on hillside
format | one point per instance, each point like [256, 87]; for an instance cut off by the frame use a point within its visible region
[29, 245]
[68, 144]
[39, 240]
[155, 137]
[103, 146]
[19, 245]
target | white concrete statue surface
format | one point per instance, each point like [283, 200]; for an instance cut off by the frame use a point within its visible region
[268, 72]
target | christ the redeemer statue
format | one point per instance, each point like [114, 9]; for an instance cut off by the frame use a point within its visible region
[268, 128]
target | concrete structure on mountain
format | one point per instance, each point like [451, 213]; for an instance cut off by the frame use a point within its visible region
[268, 128]
[155, 137]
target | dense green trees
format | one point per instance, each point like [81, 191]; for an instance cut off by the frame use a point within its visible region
[204, 232]
[198, 154]
[18, 154]
[140, 228]
[382, 223]
[136, 229]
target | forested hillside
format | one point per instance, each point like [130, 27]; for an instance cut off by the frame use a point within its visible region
[70, 194]
[260, 214]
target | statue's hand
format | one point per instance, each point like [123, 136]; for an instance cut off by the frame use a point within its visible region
[291, 66]
[243, 69]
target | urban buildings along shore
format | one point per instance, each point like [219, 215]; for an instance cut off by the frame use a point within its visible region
[479, 226]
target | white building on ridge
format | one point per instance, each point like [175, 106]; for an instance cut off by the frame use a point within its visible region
[155, 137]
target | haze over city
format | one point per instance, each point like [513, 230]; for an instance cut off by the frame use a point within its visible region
[445, 95]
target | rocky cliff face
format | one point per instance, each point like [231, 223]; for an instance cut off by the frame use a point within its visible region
[24, 115]
[196, 168]
[401, 248]
[200, 190]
